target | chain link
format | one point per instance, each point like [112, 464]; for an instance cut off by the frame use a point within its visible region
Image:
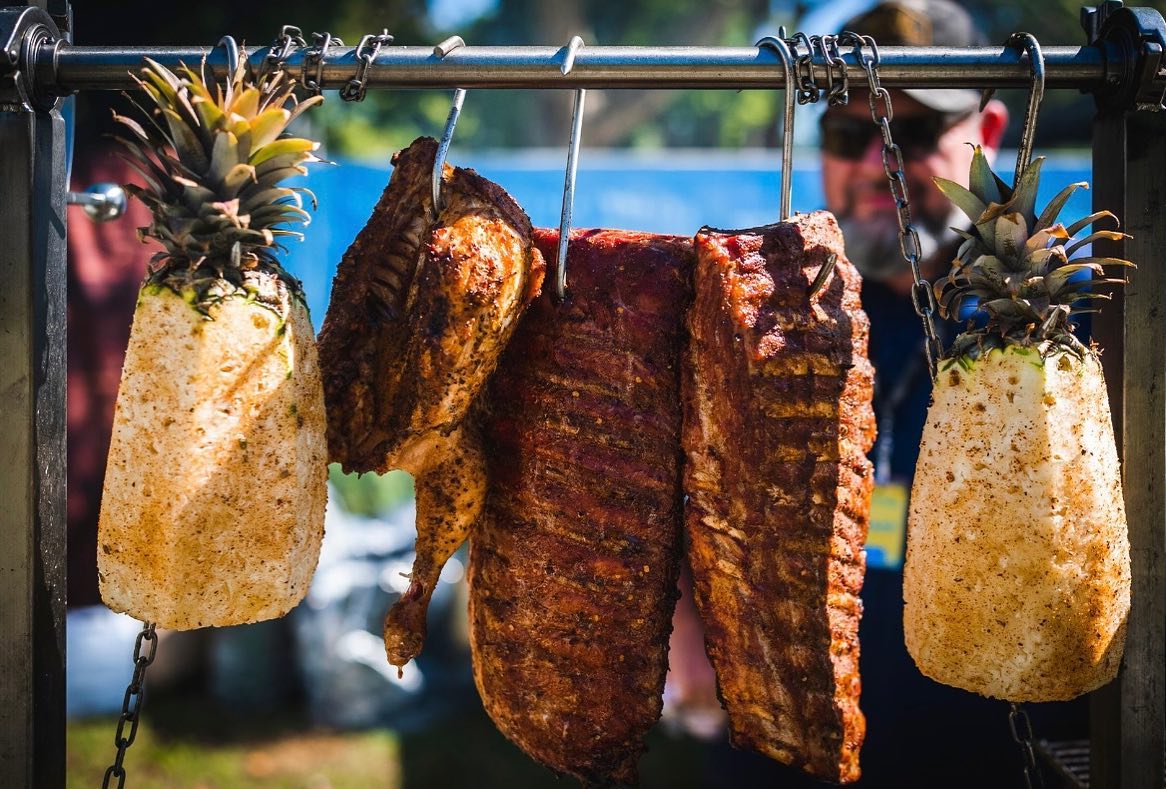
[366, 53]
[837, 92]
[807, 89]
[881, 112]
[1021, 728]
[131, 706]
[314, 57]
[289, 36]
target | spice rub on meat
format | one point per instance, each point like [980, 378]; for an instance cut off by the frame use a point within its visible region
[573, 567]
[777, 424]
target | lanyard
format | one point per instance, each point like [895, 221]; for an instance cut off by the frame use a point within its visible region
[885, 443]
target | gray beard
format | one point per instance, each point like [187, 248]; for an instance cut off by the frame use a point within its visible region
[872, 245]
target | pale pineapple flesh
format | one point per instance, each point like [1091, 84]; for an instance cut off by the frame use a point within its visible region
[215, 488]
[1017, 575]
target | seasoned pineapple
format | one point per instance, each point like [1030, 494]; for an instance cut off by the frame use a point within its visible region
[1017, 580]
[213, 508]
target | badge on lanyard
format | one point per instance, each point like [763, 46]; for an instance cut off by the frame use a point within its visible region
[888, 526]
[887, 539]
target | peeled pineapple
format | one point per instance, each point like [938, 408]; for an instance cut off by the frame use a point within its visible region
[213, 507]
[1017, 579]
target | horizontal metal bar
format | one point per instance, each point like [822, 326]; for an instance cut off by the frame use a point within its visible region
[68, 68]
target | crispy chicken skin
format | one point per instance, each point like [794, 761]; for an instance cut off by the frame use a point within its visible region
[573, 566]
[777, 422]
[421, 310]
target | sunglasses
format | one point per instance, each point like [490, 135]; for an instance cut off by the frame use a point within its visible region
[848, 136]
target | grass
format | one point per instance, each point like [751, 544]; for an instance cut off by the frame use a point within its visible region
[186, 743]
[276, 758]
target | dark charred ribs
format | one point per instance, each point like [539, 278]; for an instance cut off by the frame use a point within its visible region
[573, 566]
[777, 424]
[421, 310]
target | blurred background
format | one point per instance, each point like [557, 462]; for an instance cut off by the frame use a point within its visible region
[310, 701]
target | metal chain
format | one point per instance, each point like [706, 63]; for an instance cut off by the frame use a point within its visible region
[837, 80]
[922, 294]
[923, 299]
[366, 53]
[313, 78]
[131, 706]
[807, 89]
[837, 93]
[289, 36]
[1021, 728]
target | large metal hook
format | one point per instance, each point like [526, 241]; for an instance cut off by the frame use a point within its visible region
[232, 49]
[778, 45]
[560, 278]
[1027, 42]
[455, 110]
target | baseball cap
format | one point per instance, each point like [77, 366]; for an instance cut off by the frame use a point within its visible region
[924, 23]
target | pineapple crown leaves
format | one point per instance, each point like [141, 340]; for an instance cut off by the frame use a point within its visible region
[1018, 265]
[212, 158]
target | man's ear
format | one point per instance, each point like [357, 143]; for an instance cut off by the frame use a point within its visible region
[993, 124]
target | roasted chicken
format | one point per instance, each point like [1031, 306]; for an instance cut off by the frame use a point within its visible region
[421, 309]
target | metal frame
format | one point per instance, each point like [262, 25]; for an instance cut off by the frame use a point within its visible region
[68, 68]
[1123, 66]
[32, 417]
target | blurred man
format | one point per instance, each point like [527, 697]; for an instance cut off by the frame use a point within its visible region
[919, 733]
[935, 130]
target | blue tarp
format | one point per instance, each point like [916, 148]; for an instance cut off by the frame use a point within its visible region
[661, 192]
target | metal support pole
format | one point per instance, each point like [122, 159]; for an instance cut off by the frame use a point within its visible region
[69, 68]
[1109, 185]
[1128, 717]
[32, 421]
[1128, 720]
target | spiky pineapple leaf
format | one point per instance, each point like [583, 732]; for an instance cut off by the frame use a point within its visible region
[186, 142]
[1011, 235]
[989, 265]
[268, 125]
[964, 200]
[1100, 235]
[237, 177]
[301, 107]
[1106, 261]
[246, 103]
[1016, 265]
[208, 148]
[1042, 238]
[282, 161]
[284, 147]
[1023, 199]
[981, 180]
[1059, 277]
[225, 154]
[1053, 209]
[1012, 310]
[1092, 219]
[272, 214]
